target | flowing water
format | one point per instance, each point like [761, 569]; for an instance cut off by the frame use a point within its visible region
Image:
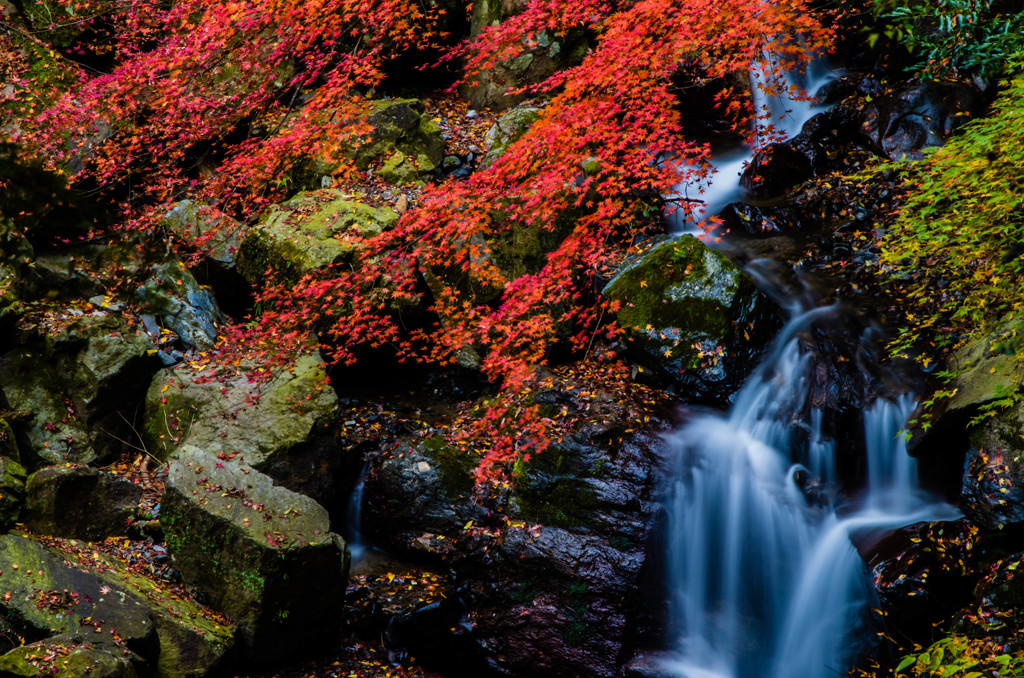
[780, 113]
[764, 580]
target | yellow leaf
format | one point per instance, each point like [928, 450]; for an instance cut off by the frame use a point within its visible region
[643, 283]
[166, 386]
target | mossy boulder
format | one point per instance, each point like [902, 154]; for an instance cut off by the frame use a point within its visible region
[174, 296]
[310, 232]
[401, 125]
[65, 656]
[56, 433]
[285, 426]
[693, 316]
[48, 596]
[260, 553]
[216, 233]
[80, 502]
[16, 253]
[8, 444]
[511, 125]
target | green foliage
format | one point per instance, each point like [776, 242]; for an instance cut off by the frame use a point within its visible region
[956, 250]
[979, 36]
[958, 656]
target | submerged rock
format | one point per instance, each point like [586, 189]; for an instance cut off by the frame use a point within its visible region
[693, 315]
[262, 554]
[285, 426]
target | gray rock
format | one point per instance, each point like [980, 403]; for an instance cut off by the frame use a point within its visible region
[262, 554]
[510, 126]
[182, 305]
[285, 427]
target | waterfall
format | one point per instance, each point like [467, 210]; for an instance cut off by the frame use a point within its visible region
[761, 581]
[779, 115]
[352, 531]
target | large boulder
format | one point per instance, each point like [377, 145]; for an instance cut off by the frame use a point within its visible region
[82, 386]
[993, 481]
[549, 575]
[693, 315]
[80, 502]
[310, 232]
[260, 553]
[48, 595]
[902, 123]
[285, 426]
[56, 433]
[400, 126]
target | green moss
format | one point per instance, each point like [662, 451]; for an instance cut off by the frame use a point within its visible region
[454, 467]
[621, 544]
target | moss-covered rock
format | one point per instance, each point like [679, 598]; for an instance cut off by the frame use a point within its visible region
[694, 315]
[65, 656]
[49, 596]
[285, 427]
[56, 433]
[8, 444]
[309, 232]
[12, 491]
[217, 234]
[261, 554]
[510, 126]
[402, 170]
[80, 502]
[401, 125]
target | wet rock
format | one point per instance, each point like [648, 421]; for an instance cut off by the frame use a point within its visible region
[50, 595]
[65, 656]
[219, 236]
[310, 232]
[903, 123]
[693, 316]
[173, 295]
[285, 427]
[80, 502]
[740, 217]
[262, 554]
[8, 444]
[12, 491]
[775, 169]
[554, 588]
[922, 572]
[510, 126]
[992, 495]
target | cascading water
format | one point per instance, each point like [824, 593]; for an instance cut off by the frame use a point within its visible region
[762, 581]
[352, 530]
[779, 114]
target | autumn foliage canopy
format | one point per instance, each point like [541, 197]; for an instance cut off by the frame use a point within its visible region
[216, 100]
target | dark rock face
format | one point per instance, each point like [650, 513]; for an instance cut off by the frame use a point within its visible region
[922, 572]
[774, 169]
[553, 587]
[695, 317]
[905, 122]
[262, 554]
[80, 502]
[12, 491]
